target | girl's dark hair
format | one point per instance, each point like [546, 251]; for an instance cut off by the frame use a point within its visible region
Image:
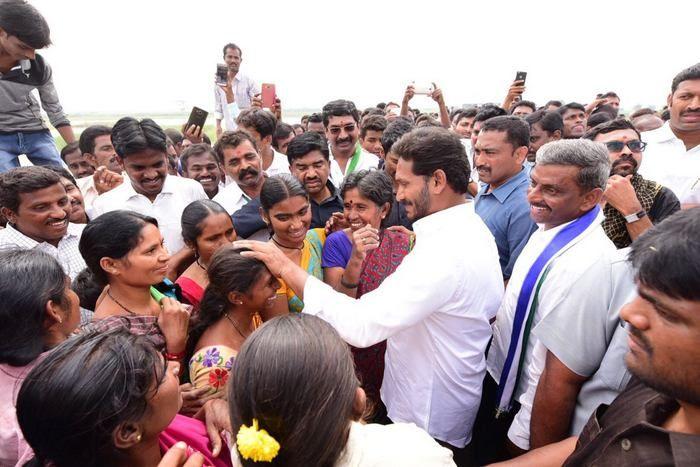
[312, 421]
[375, 185]
[279, 188]
[71, 402]
[194, 214]
[228, 272]
[28, 280]
[112, 235]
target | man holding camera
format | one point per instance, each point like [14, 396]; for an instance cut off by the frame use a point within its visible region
[233, 94]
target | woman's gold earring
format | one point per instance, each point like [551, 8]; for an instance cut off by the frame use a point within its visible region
[138, 438]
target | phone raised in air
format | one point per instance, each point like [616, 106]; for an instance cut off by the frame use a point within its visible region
[520, 76]
[268, 95]
[198, 117]
[221, 74]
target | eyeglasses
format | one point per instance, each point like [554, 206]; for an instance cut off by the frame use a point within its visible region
[335, 130]
[635, 145]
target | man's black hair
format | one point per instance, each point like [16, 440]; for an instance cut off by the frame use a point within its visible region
[373, 123]
[394, 131]
[20, 19]
[689, 73]
[489, 111]
[315, 117]
[667, 256]
[571, 105]
[260, 120]
[303, 144]
[555, 103]
[610, 94]
[431, 149]
[516, 129]
[598, 119]
[89, 135]
[529, 104]
[130, 136]
[231, 45]
[609, 127]
[549, 121]
[69, 149]
[340, 108]
[282, 131]
[175, 136]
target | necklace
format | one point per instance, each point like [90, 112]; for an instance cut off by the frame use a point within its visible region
[234, 325]
[200, 264]
[109, 292]
[285, 246]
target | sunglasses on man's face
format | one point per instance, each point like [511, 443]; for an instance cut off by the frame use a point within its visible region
[335, 130]
[635, 145]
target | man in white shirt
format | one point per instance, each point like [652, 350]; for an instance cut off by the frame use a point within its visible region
[434, 311]
[141, 148]
[37, 209]
[236, 95]
[672, 155]
[97, 148]
[341, 120]
[261, 125]
[240, 160]
[564, 260]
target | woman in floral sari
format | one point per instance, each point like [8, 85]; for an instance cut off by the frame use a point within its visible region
[353, 267]
[239, 290]
[286, 210]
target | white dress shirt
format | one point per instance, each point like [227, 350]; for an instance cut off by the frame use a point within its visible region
[367, 161]
[244, 89]
[231, 197]
[176, 194]
[581, 267]
[668, 162]
[434, 313]
[66, 252]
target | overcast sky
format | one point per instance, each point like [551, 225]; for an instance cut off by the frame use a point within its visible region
[159, 56]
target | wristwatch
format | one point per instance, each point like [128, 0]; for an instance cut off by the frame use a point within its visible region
[635, 217]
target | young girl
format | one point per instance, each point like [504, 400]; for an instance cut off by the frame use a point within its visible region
[287, 212]
[104, 399]
[294, 378]
[206, 227]
[239, 290]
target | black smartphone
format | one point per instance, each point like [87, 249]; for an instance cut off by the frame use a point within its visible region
[520, 76]
[198, 117]
[221, 74]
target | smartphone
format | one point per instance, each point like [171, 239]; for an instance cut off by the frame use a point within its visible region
[521, 76]
[268, 95]
[427, 90]
[221, 74]
[198, 117]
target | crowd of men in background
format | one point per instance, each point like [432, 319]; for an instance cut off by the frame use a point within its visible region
[575, 196]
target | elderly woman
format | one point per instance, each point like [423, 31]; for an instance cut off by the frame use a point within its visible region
[355, 266]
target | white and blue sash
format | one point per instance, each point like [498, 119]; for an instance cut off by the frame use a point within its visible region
[527, 306]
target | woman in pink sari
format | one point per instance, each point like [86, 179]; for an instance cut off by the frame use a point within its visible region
[107, 399]
[206, 227]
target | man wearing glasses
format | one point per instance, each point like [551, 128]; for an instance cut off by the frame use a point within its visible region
[342, 122]
[632, 204]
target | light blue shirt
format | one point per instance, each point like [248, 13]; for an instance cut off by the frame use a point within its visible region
[506, 212]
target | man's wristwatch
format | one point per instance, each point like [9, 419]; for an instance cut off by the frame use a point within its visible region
[635, 217]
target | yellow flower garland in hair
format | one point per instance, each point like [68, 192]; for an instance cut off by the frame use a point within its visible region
[256, 445]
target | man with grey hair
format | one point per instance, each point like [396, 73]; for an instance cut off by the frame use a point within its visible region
[566, 258]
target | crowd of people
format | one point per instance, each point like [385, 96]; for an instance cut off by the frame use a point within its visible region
[512, 284]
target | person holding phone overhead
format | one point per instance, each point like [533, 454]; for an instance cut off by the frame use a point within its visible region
[235, 93]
